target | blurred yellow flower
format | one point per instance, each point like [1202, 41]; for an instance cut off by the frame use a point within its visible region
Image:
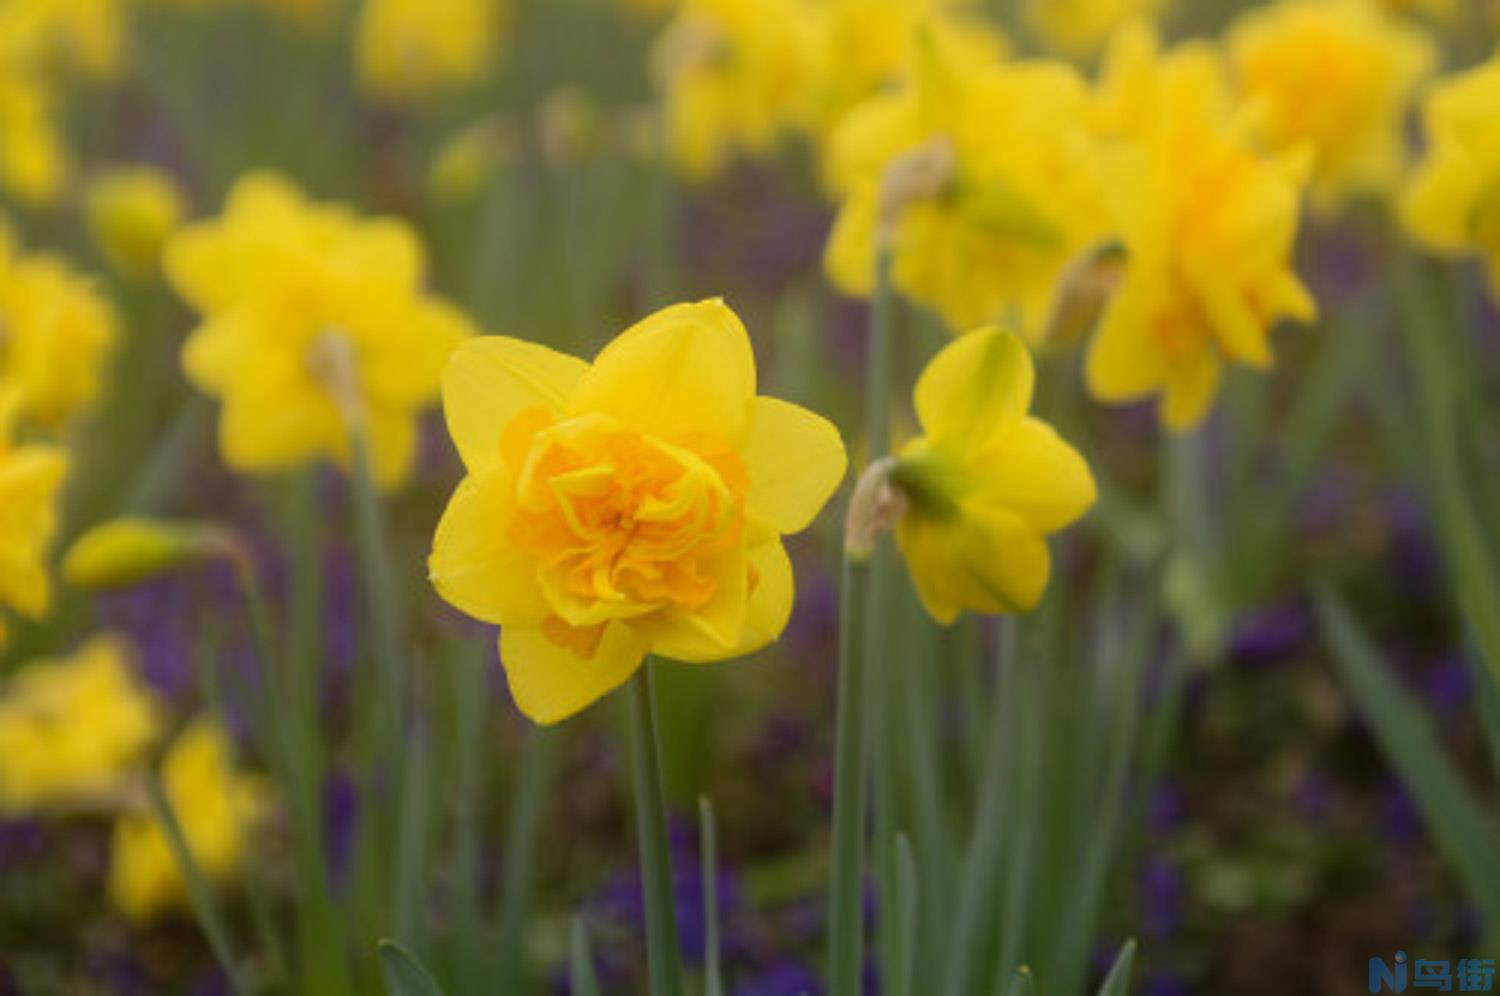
[313, 319]
[30, 478]
[60, 37]
[56, 334]
[72, 730]
[985, 483]
[734, 78]
[1208, 226]
[411, 49]
[131, 210]
[1453, 202]
[217, 809]
[982, 178]
[631, 506]
[1081, 27]
[1338, 76]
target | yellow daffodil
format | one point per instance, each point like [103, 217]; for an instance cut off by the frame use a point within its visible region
[627, 507]
[734, 77]
[1208, 226]
[30, 477]
[411, 49]
[57, 37]
[981, 177]
[1453, 202]
[1126, 103]
[466, 161]
[56, 334]
[1338, 76]
[217, 808]
[131, 210]
[313, 320]
[1081, 27]
[72, 730]
[985, 483]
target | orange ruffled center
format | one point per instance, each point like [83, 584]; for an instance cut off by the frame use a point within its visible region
[620, 524]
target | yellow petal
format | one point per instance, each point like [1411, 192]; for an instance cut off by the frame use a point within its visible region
[382, 253]
[474, 565]
[686, 369]
[549, 683]
[490, 379]
[975, 384]
[408, 370]
[1238, 331]
[1190, 389]
[1124, 362]
[849, 256]
[392, 437]
[217, 350]
[766, 614]
[1034, 473]
[796, 461]
[981, 559]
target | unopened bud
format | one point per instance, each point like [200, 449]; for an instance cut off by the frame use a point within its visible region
[878, 505]
[919, 174]
[125, 552]
[1083, 292]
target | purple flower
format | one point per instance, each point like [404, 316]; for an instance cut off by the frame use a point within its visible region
[1271, 634]
[1161, 897]
[783, 978]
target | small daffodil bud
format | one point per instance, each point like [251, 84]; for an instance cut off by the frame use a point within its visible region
[125, 552]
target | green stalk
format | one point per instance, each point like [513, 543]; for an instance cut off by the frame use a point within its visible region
[663, 949]
[713, 973]
[520, 853]
[880, 373]
[845, 920]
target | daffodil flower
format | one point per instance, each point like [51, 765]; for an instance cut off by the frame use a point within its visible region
[1208, 224]
[72, 730]
[1338, 76]
[407, 50]
[131, 210]
[1081, 27]
[985, 483]
[314, 320]
[1453, 202]
[630, 506]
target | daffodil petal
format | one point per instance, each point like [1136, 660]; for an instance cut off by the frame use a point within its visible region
[687, 369]
[1030, 470]
[550, 683]
[474, 566]
[1190, 389]
[796, 461]
[983, 559]
[1123, 362]
[978, 382]
[766, 614]
[489, 380]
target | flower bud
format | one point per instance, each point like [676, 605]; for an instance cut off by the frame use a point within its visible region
[130, 211]
[125, 552]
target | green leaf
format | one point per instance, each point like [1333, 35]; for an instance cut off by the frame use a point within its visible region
[907, 899]
[1405, 734]
[403, 974]
[1117, 982]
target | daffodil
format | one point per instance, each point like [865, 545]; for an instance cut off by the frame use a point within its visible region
[1208, 224]
[1081, 27]
[981, 179]
[1337, 76]
[217, 808]
[466, 161]
[30, 477]
[1453, 202]
[72, 730]
[408, 50]
[34, 163]
[734, 78]
[314, 321]
[59, 37]
[131, 210]
[56, 335]
[985, 483]
[630, 506]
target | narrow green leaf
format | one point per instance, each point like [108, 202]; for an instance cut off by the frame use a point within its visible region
[1117, 982]
[412, 843]
[908, 907]
[403, 974]
[713, 975]
[200, 893]
[520, 852]
[1405, 734]
[581, 961]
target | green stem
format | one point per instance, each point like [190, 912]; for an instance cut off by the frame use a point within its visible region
[663, 950]
[520, 852]
[713, 973]
[879, 373]
[845, 920]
